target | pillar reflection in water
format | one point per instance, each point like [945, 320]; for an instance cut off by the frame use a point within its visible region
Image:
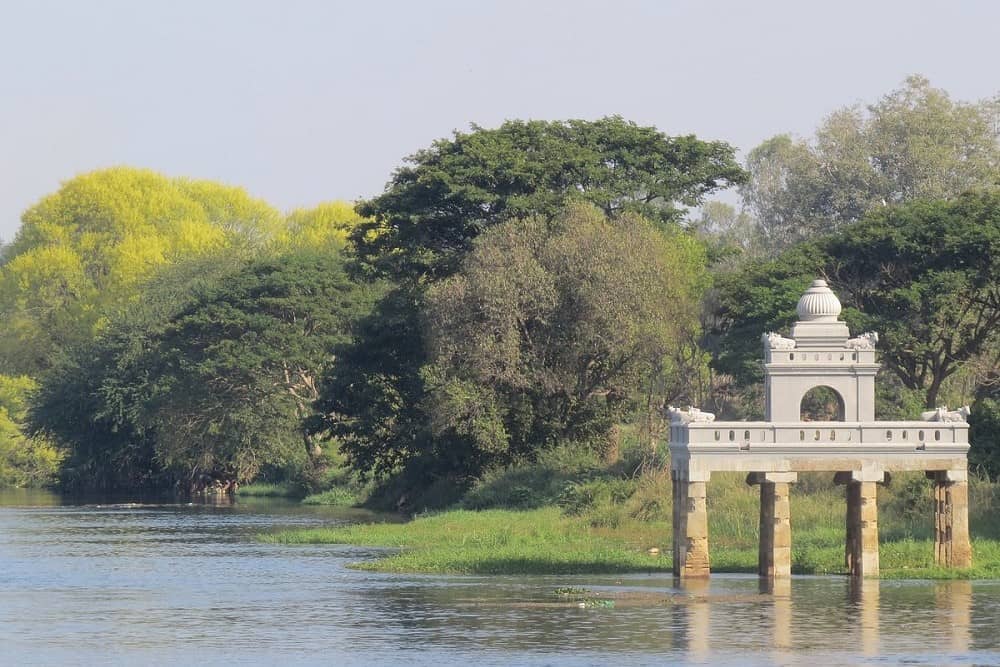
[780, 590]
[953, 599]
[864, 594]
[699, 618]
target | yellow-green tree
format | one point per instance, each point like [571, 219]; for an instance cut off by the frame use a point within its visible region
[24, 461]
[327, 225]
[87, 249]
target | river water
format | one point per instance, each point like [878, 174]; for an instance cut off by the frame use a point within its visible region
[173, 584]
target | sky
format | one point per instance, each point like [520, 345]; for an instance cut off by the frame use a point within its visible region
[302, 101]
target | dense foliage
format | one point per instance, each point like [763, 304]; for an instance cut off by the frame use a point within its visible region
[426, 223]
[432, 209]
[24, 460]
[87, 249]
[914, 143]
[984, 432]
[926, 276]
[513, 293]
[549, 329]
[217, 390]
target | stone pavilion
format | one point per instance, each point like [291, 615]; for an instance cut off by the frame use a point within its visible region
[858, 450]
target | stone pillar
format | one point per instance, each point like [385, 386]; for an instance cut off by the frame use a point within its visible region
[951, 518]
[861, 548]
[690, 518]
[862, 521]
[774, 557]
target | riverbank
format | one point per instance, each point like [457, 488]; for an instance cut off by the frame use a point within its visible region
[606, 537]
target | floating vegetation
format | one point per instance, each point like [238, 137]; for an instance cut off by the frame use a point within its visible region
[594, 603]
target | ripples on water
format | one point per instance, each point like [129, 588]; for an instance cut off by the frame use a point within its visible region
[172, 584]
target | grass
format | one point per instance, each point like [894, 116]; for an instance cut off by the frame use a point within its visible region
[540, 541]
[618, 523]
[338, 496]
[261, 490]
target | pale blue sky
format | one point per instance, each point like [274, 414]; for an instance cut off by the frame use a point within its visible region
[302, 101]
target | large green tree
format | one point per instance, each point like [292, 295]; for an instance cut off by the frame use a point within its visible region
[237, 372]
[925, 275]
[433, 208]
[217, 385]
[545, 335]
[427, 220]
[913, 143]
[551, 326]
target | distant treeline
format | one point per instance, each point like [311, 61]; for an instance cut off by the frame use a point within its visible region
[513, 290]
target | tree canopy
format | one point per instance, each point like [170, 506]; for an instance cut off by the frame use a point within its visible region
[88, 247]
[221, 387]
[448, 194]
[925, 275]
[326, 225]
[543, 336]
[914, 143]
[24, 460]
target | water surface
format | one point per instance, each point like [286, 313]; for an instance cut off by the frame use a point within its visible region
[92, 584]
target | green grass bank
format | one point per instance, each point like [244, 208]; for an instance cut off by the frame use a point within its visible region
[560, 517]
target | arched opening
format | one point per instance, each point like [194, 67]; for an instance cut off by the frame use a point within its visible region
[822, 404]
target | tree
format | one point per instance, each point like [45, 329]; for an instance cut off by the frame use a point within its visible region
[914, 143]
[215, 386]
[328, 224]
[85, 250]
[426, 221]
[432, 209]
[545, 335]
[24, 461]
[925, 275]
[371, 401]
[236, 373]
[984, 429]
[89, 400]
[726, 231]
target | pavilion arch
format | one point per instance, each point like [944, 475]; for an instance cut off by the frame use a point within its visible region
[822, 403]
[786, 386]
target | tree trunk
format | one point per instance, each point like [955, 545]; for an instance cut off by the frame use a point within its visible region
[931, 396]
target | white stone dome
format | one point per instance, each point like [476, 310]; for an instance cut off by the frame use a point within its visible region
[819, 304]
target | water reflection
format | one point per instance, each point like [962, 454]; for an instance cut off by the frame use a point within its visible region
[697, 610]
[160, 584]
[864, 595]
[954, 603]
[780, 592]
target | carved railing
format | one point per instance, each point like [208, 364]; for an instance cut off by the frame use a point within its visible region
[914, 435]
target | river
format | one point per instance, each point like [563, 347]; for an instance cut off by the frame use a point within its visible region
[135, 584]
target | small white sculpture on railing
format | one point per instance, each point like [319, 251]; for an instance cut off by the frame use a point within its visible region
[775, 341]
[945, 415]
[691, 415]
[865, 341]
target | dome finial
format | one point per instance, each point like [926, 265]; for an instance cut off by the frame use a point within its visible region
[818, 304]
